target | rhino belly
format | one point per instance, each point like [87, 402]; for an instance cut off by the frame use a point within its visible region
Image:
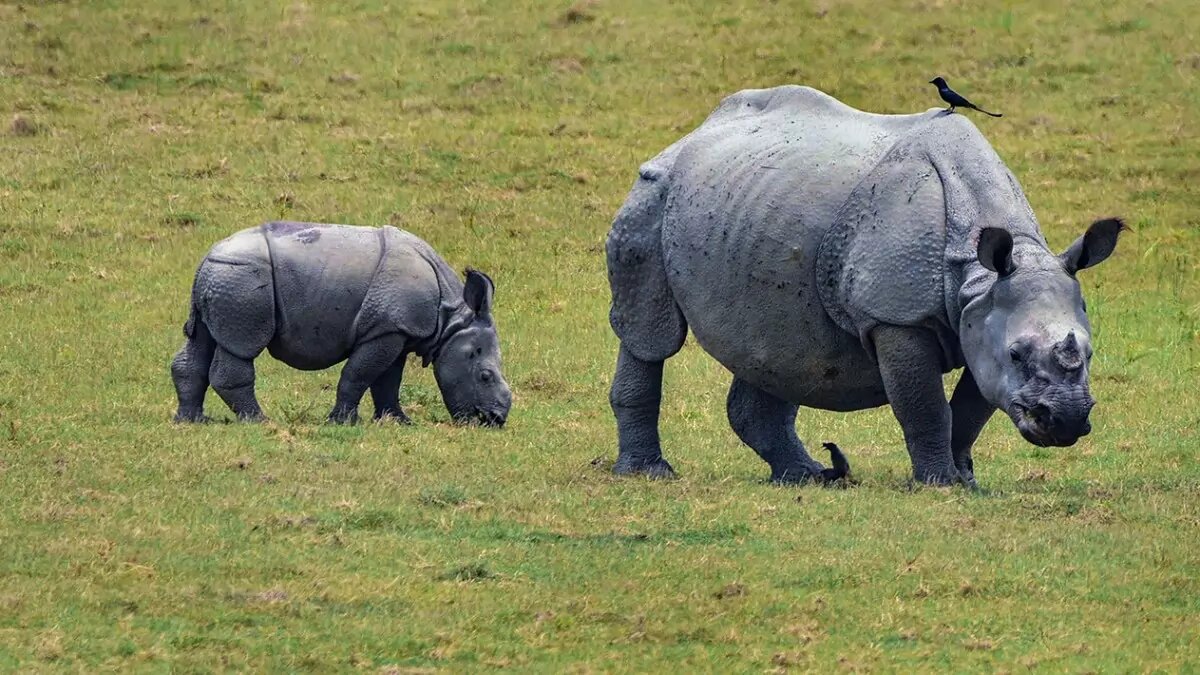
[781, 341]
[322, 273]
[745, 280]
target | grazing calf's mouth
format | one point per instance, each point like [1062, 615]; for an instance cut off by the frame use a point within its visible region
[483, 418]
[489, 418]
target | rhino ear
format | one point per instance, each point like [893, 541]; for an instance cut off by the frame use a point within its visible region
[1094, 246]
[478, 292]
[995, 250]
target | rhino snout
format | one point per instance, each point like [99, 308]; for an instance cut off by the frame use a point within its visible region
[1047, 424]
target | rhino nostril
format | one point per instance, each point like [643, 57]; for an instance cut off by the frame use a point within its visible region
[1041, 414]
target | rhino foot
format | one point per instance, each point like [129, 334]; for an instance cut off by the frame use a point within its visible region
[654, 469]
[346, 415]
[944, 477]
[799, 474]
[192, 417]
[393, 415]
[966, 472]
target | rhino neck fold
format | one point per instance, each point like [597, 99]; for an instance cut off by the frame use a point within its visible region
[978, 194]
[451, 319]
[453, 313]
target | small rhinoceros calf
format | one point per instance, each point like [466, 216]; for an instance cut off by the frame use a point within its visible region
[314, 295]
[842, 260]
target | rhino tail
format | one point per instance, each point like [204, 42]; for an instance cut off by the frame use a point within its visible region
[841, 466]
[189, 326]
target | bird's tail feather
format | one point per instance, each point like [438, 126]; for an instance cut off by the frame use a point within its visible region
[986, 112]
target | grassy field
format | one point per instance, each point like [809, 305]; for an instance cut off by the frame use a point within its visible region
[135, 134]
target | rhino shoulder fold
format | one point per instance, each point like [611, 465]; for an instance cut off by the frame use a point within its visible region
[882, 260]
[405, 293]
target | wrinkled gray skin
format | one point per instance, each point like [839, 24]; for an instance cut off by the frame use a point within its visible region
[314, 295]
[841, 260]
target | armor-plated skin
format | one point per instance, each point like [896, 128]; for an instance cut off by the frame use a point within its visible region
[314, 295]
[826, 257]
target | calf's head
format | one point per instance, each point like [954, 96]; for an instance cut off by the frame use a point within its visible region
[1027, 341]
[467, 364]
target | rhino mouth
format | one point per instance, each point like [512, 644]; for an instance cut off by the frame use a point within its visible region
[484, 418]
[1037, 426]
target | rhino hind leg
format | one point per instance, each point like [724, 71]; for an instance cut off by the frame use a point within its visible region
[189, 370]
[233, 379]
[385, 393]
[648, 322]
[767, 424]
[367, 363]
[233, 300]
[635, 397]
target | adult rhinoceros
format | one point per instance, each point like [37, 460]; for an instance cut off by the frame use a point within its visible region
[842, 260]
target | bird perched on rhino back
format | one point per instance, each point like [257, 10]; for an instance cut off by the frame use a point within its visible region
[955, 99]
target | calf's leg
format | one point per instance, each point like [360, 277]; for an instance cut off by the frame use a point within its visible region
[233, 379]
[189, 370]
[366, 364]
[385, 393]
[635, 397]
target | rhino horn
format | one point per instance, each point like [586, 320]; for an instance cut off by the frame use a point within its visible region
[1067, 353]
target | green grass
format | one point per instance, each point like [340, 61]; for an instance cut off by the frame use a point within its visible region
[135, 134]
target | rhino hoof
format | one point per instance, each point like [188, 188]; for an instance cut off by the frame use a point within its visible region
[343, 416]
[796, 476]
[192, 418]
[654, 469]
[396, 416]
[939, 478]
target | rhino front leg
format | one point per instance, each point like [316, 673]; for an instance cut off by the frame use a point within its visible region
[385, 393]
[635, 397]
[364, 367]
[233, 379]
[768, 425]
[969, 411]
[909, 362]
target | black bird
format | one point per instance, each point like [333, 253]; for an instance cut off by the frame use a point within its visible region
[955, 99]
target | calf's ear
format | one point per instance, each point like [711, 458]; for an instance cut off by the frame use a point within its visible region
[478, 292]
[1094, 246]
[995, 250]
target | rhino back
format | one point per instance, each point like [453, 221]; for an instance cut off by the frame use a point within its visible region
[321, 273]
[747, 211]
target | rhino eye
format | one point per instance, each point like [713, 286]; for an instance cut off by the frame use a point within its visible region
[1015, 354]
[486, 376]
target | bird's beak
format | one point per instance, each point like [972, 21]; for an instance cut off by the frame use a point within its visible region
[932, 82]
